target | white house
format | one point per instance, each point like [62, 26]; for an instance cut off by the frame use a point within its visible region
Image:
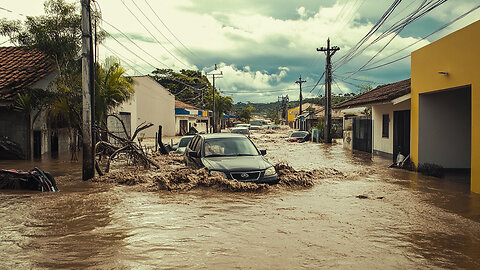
[151, 103]
[390, 119]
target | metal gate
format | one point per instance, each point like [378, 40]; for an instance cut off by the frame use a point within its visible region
[362, 134]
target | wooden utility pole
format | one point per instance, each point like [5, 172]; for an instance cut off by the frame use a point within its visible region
[300, 111]
[329, 52]
[219, 76]
[88, 169]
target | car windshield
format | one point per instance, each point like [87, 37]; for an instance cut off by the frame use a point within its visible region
[184, 141]
[297, 135]
[229, 147]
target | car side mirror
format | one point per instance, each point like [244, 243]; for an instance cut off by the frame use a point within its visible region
[263, 152]
[193, 154]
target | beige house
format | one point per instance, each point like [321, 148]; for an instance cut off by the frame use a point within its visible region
[188, 116]
[151, 103]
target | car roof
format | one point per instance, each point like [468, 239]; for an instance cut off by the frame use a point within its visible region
[221, 135]
[240, 128]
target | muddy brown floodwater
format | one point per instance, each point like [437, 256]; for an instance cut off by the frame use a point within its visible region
[356, 214]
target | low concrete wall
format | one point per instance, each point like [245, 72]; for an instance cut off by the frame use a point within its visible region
[348, 139]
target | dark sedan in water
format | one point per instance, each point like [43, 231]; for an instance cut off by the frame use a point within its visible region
[233, 156]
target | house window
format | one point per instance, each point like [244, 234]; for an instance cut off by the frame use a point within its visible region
[385, 126]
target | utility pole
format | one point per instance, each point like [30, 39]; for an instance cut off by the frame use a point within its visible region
[88, 170]
[329, 52]
[219, 76]
[300, 83]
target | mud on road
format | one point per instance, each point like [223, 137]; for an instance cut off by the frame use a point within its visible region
[332, 209]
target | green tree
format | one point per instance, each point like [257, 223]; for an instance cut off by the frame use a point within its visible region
[245, 114]
[186, 85]
[112, 88]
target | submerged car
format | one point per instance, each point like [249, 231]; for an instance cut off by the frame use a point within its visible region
[240, 130]
[180, 147]
[234, 156]
[299, 136]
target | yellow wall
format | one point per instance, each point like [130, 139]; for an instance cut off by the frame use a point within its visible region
[292, 113]
[459, 55]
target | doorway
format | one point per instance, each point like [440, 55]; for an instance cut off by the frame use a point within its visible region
[445, 128]
[401, 133]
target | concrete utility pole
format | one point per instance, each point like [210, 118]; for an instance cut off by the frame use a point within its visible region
[300, 83]
[329, 52]
[219, 76]
[88, 170]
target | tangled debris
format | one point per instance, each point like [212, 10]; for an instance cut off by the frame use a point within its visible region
[173, 175]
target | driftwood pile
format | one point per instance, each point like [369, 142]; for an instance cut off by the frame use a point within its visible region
[111, 146]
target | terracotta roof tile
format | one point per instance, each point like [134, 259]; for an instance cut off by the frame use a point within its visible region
[179, 104]
[20, 68]
[380, 94]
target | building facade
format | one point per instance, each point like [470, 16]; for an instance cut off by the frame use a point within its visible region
[151, 103]
[446, 103]
[188, 116]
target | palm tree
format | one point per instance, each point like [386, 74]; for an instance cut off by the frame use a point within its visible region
[112, 88]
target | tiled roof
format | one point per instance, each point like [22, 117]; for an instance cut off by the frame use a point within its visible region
[181, 105]
[380, 94]
[20, 68]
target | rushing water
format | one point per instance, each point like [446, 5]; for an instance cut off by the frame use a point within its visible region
[403, 221]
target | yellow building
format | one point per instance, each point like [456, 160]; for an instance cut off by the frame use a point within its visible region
[445, 103]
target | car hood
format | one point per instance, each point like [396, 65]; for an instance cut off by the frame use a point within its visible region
[236, 163]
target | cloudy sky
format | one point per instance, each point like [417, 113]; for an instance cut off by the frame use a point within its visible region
[262, 47]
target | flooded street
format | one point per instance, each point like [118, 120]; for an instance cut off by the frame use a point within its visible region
[363, 215]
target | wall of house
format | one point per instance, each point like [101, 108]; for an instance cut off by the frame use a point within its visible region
[458, 55]
[152, 103]
[155, 104]
[381, 144]
[191, 121]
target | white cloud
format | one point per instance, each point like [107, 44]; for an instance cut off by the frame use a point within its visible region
[249, 42]
[302, 12]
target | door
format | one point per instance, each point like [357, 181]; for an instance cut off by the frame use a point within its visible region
[362, 134]
[183, 127]
[37, 144]
[401, 133]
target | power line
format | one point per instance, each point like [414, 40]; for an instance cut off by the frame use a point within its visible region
[321, 77]
[148, 19]
[155, 13]
[432, 33]
[119, 56]
[146, 29]
[423, 9]
[423, 38]
[351, 53]
[125, 47]
[136, 45]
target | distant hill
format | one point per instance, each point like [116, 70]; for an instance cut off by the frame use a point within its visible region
[269, 108]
